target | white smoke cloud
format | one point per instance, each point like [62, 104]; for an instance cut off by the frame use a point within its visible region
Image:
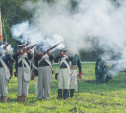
[99, 21]
[8, 49]
[97, 18]
[26, 32]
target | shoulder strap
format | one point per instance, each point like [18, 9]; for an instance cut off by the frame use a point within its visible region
[4, 65]
[46, 58]
[26, 63]
[21, 58]
[48, 61]
[63, 60]
[40, 60]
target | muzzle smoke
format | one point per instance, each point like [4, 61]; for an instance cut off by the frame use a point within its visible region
[88, 25]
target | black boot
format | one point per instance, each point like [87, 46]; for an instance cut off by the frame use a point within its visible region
[71, 92]
[59, 93]
[65, 94]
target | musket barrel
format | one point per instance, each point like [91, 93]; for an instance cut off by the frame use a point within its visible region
[28, 48]
[8, 44]
[53, 47]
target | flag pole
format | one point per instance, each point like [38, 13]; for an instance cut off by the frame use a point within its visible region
[0, 22]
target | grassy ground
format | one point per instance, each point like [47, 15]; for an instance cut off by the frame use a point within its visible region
[92, 98]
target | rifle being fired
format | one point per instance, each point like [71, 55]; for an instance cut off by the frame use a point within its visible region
[50, 49]
[53, 47]
[28, 48]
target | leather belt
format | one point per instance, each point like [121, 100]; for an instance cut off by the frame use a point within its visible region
[43, 65]
[72, 67]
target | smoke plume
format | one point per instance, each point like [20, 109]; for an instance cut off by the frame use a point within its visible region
[84, 24]
[98, 19]
[25, 32]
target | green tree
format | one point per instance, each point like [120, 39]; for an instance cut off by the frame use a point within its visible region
[12, 13]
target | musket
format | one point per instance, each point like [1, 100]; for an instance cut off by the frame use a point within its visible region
[53, 47]
[28, 48]
[8, 44]
[78, 85]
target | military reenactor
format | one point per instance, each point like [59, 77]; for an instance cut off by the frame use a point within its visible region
[64, 74]
[23, 66]
[6, 69]
[101, 70]
[43, 62]
[75, 65]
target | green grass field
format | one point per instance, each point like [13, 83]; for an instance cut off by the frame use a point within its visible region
[92, 98]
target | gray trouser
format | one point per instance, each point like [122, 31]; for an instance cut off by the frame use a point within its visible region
[22, 84]
[64, 78]
[44, 82]
[73, 79]
[3, 83]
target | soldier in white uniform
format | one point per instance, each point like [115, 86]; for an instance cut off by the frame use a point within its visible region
[64, 74]
[6, 70]
[43, 62]
[23, 66]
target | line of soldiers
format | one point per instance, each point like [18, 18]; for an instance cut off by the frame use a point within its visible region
[40, 61]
